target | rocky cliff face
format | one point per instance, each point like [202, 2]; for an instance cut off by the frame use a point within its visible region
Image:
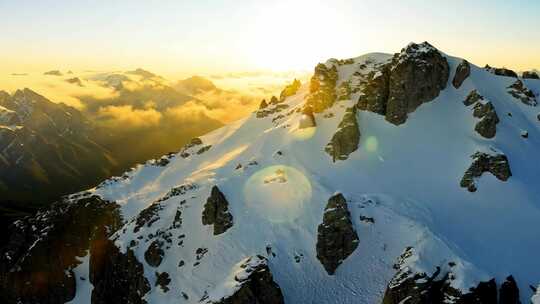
[346, 139]
[36, 265]
[414, 76]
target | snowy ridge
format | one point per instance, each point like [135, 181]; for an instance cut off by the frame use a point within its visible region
[277, 180]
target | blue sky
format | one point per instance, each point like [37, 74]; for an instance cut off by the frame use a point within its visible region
[176, 37]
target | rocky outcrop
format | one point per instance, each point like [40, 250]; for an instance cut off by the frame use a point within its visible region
[519, 91]
[376, 91]
[37, 262]
[501, 71]
[117, 277]
[308, 119]
[472, 98]
[154, 253]
[336, 237]
[530, 75]
[347, 137]
[290, 89]
[414, 76]
[509, 292]
[482, 162]
[162, 280]
[463, 71]
[263, 105]
[253, 284]
[322, 93]
[419, 73]
[487, 126]
[216, 212]
[419, 288]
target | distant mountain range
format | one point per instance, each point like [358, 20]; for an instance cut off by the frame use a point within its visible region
[49, 149]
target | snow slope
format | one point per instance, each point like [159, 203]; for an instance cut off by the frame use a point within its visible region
[405, 177]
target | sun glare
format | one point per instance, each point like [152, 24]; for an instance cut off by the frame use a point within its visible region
[292, 35]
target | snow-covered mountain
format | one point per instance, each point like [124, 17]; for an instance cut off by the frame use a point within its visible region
[406, 178]
[42, 143]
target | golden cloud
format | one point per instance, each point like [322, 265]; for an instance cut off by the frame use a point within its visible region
[128, 117]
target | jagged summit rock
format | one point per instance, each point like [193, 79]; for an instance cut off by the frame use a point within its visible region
[414, 76]
[336, 237]
[216, 212]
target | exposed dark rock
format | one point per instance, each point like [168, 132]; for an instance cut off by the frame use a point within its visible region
[367, 219]
[519, 91]
[162, 280]
[487, 126]
[414, 76]
[501, 71]
[154, 253]
[336, 237]
[185, 150]
[216, 212]
[344, 90]
[482, 162]
[376, 92]
[290, 89]
[322, 93]
[147, 216]
[463, 71]
[472, 98]
[530, 75]
[509, 292]
[347, 137]
[204, 149]
[37, 261]
[178, 190]
[420, 288]
[271, 109]
[117, 277]
[256, 285]
[274, 100]
[308, 119]
[419, 73]
[263, 105]
[484, 292]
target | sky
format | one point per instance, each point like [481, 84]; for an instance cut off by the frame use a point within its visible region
[184, 37]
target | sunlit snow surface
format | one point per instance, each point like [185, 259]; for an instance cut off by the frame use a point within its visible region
[405, 177]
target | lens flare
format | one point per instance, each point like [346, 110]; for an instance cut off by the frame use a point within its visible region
[278, 193]
[372, 144]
